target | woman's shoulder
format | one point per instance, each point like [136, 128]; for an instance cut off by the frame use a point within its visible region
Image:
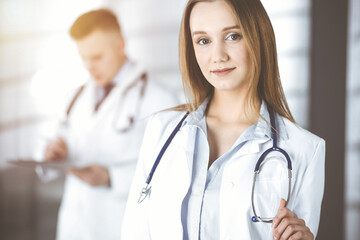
[303, 139]
[166, 119]
[159, 128]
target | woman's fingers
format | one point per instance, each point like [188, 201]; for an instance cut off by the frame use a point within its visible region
[282, 213]
[295, 232]
[286, 225]
[282, 203]
[303, 235]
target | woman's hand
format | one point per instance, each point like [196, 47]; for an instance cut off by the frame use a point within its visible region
[286, 225]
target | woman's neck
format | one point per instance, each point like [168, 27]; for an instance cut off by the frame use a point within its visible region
[232, 107]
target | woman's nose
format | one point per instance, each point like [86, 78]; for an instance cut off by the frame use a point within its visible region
[219, 53]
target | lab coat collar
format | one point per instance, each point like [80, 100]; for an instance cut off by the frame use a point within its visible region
[195, 117]
[198, 114]
[262, 127]
[124, 77]
[122, 73]
[127, 75]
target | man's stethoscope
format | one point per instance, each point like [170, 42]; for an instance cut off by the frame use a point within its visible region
[139, 86]
[256, 218]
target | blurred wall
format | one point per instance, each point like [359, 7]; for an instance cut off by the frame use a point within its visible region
[38, 63]
[34, 47]
[328, 102]
[352, 166]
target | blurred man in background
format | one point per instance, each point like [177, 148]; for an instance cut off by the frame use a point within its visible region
[102, 132]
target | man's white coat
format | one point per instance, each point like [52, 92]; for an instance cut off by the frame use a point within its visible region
[104, 138]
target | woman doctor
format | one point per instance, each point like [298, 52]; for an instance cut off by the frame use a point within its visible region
[202, 187]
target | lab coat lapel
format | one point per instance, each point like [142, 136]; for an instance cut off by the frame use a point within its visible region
[189, 138]
[263, 133]
[83, 109]
[125, 102]
[250, 147]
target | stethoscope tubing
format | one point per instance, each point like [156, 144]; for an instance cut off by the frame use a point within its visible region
[274, 148]
[163, 149]
[142, 79]
[146, 189]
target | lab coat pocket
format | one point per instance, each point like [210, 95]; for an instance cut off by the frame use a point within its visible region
[266, 198]
[270, 186]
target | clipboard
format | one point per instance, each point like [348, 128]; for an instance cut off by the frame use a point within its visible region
[59, 165]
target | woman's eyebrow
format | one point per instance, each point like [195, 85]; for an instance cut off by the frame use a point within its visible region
[223, 30]
[198, 32]
[230, 28]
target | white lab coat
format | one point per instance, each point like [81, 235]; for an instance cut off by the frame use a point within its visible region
[88, 212]
[158, 217]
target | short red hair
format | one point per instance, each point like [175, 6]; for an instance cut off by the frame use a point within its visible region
[101, 19]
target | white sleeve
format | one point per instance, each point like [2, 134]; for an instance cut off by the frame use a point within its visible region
[307, 205]
[135, 222]
[121, 176]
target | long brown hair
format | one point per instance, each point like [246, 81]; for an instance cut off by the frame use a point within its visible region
[265, 84]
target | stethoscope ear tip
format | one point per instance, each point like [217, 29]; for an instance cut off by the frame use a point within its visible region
[254, 219]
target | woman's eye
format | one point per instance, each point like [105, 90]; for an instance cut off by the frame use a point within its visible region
[234, 37]
[203, 41]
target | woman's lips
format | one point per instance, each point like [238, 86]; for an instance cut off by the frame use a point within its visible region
[223, 71]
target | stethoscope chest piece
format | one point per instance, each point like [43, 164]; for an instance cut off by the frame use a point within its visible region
[146, 190]
[144, 193]
[255, 218]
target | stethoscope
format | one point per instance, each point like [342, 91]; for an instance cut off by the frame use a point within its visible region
[274, 148]
[127, 123]
[141, 81]
[256, 218]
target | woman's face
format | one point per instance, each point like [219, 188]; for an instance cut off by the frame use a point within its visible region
[219, 46]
